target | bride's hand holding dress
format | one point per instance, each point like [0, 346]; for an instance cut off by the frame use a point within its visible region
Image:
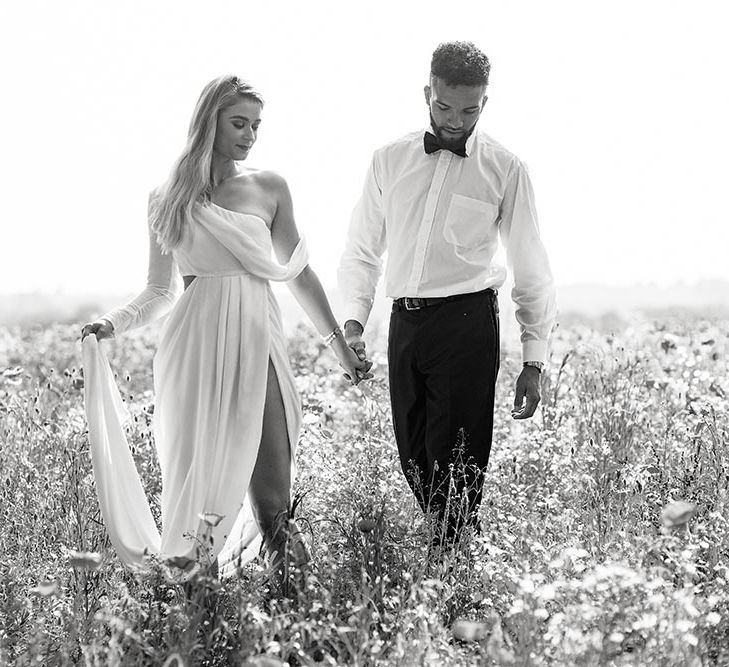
[100, 328]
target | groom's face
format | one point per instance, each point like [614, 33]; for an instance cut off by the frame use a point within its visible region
[454, 110]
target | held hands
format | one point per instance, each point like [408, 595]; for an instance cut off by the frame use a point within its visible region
[355, 369]
[527, 393]
[357, 366]
[353, 337]
[100, 328]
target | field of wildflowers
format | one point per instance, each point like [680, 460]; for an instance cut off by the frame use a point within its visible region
[605, 520]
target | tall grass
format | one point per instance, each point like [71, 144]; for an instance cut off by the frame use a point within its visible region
[605, 521]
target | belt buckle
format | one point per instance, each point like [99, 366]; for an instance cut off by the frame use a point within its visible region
[409, 301]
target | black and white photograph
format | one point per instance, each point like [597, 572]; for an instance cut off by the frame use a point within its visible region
[374, 334]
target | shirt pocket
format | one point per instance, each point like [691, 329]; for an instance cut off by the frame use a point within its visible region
[470, 222]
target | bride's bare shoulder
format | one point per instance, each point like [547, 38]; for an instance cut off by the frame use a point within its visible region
[270, 180]
[266, 187]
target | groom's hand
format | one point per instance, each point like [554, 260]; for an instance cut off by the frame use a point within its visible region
[353, 331]
[527, 393]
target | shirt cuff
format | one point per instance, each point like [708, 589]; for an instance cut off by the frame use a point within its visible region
[119, 319]
[356, 311]
[534, 350]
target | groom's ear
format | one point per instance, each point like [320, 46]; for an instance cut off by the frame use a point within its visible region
[427, 92]
[483, 103]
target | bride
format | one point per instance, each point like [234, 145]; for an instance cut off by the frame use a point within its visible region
[227, 414]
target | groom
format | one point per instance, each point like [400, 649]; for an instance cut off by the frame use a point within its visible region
[438, 200]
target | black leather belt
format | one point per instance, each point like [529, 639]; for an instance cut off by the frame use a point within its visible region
[416, 302]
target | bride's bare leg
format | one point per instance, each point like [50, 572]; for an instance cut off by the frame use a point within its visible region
[271, 481]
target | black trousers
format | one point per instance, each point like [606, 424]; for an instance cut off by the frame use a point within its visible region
[443, 362]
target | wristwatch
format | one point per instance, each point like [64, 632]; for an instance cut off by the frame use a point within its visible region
[535, 364]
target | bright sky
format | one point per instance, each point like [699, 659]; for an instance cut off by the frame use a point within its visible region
[619, 108]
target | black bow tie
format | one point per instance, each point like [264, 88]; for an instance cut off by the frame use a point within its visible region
[433, 144]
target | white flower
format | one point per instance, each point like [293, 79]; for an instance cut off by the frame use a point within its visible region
[47, 588]
[469, 631]
[677, 513]
[211, 518]
[84, 560]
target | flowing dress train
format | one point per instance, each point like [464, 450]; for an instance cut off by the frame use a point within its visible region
[210, 376]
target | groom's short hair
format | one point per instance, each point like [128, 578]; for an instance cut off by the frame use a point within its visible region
[460, 64]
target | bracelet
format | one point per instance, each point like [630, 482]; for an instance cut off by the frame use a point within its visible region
[329, 338]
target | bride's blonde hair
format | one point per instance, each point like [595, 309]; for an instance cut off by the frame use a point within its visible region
[191, 180]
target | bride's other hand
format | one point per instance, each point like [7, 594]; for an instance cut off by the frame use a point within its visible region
[100, 328]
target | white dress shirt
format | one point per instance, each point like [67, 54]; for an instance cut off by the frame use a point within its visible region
[440, 217]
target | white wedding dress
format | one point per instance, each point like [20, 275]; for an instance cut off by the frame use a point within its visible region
[210, 375]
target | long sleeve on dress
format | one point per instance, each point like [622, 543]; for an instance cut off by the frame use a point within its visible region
[361, 263]
[157, 297]
[534, 292]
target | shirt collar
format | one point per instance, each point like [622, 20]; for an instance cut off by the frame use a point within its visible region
[471, 141]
